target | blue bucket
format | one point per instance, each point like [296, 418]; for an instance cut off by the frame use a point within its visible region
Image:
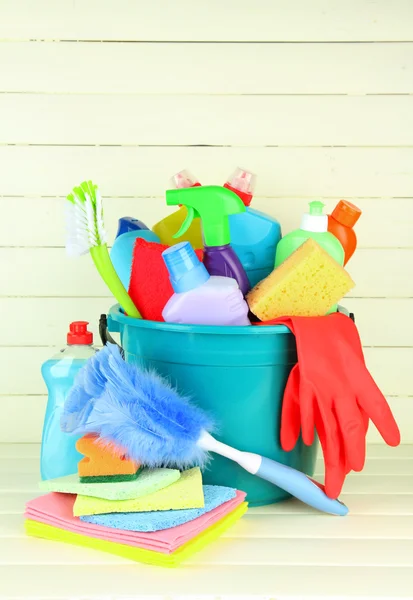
[237, 374]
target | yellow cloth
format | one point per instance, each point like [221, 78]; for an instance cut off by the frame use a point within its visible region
[35, 529]
[187, 492]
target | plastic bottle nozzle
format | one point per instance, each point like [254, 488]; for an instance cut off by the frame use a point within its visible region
[186, 272]
[242, 182]
[184, 179]
[346, 213]
[213, 204]
[315, 220]
[316, 207]
[79, 334]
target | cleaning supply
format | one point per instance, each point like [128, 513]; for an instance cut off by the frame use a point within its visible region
[127, 224]
[121, 253]
[200, 298]
[104, 462]
[214, 205]
[142, 413]
[167, 227]
[307, 284]
[187, 492]
[330, 391]
[149, 482]
[313, 225]
[51, 517]
[150, 287]
[194, 357]
[58, 455]
[86, 233]
[214, 495]
[254, 235]
[341, 223]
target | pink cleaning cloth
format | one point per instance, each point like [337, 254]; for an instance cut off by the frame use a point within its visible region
[57, 510]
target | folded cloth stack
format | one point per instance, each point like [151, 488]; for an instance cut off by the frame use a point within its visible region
[162, 517]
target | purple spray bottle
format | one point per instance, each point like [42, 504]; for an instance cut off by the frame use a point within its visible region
[213, 204]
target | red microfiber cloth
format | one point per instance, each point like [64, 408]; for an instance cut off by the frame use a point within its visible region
[149, 287]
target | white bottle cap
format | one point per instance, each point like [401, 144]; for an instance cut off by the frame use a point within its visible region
[314, 220]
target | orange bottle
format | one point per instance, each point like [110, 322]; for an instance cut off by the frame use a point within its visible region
[341, 223]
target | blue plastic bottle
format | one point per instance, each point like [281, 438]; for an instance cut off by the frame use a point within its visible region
[121, 255]
[254, 235]
[59, 456]
[126, 224]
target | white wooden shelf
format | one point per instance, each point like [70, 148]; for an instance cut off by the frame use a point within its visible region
[279, 551]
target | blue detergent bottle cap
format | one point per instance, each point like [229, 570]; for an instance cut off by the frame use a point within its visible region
[186, 272]
[126, 224]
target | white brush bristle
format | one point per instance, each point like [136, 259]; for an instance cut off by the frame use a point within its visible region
[84, 225]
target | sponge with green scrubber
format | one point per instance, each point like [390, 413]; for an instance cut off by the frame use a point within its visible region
[307, 284]
[104, 462]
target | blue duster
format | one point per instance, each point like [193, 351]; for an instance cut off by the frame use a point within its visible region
[136, 410]
[142, 413]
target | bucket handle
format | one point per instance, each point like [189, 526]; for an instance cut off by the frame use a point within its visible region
[105, 335]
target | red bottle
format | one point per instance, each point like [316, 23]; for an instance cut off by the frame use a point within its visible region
[341, 223]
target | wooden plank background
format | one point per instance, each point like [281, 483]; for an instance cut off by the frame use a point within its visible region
[319, 106]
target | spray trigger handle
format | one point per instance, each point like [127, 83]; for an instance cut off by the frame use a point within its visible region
[192, 213]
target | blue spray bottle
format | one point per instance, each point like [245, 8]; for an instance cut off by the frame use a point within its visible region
[58, 456]
[254, 235]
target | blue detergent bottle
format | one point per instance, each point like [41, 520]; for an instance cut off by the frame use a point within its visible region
[121, 254]
[254, 235]
[58, 456]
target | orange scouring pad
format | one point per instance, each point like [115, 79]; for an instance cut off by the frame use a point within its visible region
[149, 287]
[104, 462]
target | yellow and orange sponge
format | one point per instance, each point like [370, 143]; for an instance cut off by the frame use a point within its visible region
[307, 284]
[104, 462]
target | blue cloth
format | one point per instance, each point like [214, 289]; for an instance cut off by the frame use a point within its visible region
[164, 519]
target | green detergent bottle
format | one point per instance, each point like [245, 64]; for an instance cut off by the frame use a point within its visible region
[314, 225]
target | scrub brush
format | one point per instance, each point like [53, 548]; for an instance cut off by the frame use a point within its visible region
[86, 233]
[140, 412]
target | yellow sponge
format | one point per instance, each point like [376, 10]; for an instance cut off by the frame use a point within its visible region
[187, 492]
[307, 284]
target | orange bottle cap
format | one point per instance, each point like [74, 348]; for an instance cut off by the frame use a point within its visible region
[346, 213]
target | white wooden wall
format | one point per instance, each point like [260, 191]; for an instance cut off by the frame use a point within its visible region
[314, 96]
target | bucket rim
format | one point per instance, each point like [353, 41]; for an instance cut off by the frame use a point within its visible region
[117, 315]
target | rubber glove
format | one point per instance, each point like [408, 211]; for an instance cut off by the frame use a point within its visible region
[331, 391]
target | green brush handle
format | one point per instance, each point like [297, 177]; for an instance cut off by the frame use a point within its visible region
[101, 258]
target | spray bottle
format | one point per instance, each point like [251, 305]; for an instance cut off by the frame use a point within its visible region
[213, 205]
[254, 235]
[167, 227]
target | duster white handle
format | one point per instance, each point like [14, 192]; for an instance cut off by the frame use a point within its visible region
[292, 481]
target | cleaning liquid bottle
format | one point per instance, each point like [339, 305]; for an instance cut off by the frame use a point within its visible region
[213, 204]
[126, 224]
[167, 228]
[59, 456]
[341, 223]
[200, 299]
[121, 254]
[313, 225]
[254, 235]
